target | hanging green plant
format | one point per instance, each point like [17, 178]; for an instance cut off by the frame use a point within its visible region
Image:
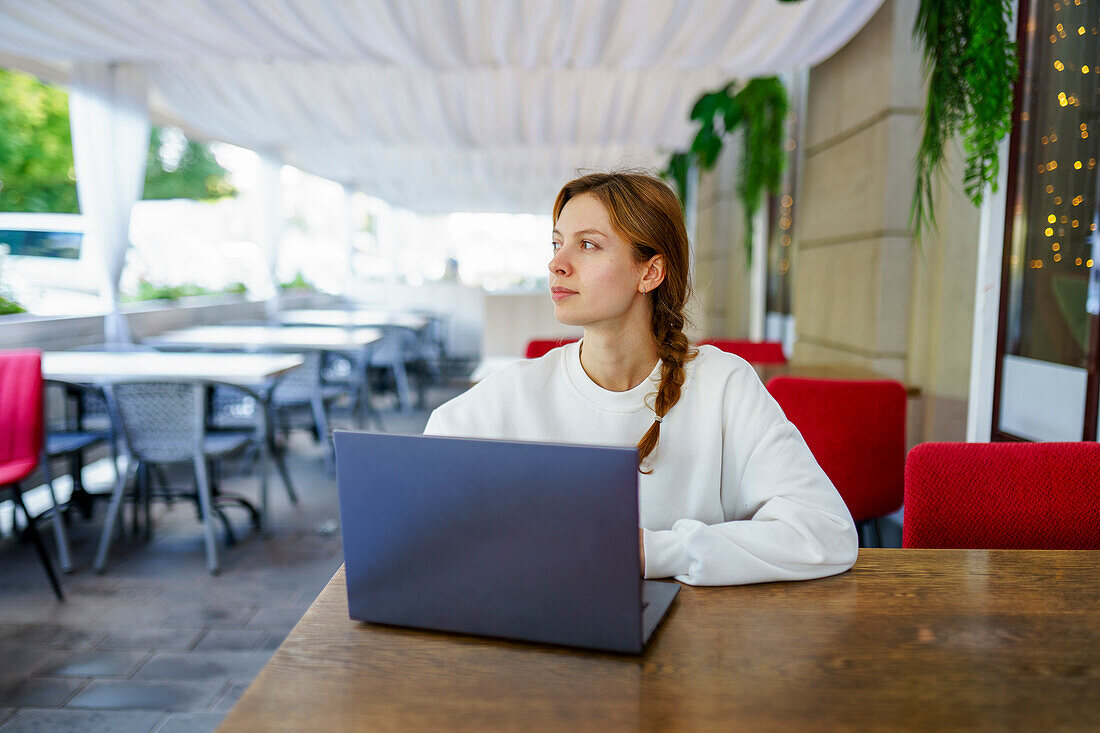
[971, 67]
[759, 110]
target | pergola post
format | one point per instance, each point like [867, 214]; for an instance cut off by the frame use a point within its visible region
[109, 117]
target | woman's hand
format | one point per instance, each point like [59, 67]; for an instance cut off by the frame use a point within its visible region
[641, 549]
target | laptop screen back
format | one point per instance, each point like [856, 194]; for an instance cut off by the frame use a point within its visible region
[519, 540]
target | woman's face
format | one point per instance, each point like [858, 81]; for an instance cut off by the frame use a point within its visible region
[594, 277]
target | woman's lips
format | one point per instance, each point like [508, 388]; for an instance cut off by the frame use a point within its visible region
[561, 294]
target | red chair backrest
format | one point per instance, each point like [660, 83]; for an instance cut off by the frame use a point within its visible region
[21, 433]
[754, 352]
[856, 431]
[1003, 495]
[539, 347]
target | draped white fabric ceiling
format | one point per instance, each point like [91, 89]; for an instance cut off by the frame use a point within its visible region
[439, 105]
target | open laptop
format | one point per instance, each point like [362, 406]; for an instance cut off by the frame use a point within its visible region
[528, 541]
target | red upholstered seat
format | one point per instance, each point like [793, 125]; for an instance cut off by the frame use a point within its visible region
[755, 352]
[539, 347]
[21, 431]
[22, 435]
[1003, 495]
[856, 431]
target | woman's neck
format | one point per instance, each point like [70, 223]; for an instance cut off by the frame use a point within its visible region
[618, 361]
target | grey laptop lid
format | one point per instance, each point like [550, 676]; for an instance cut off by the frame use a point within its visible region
[527, 541]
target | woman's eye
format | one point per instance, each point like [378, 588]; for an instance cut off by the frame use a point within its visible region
[588, 245]
[555, 246]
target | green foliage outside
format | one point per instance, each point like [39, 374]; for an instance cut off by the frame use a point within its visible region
[759, 110]
[36, 154]
[150, 291]
[298, 283]
[8, 305]
[971, 65]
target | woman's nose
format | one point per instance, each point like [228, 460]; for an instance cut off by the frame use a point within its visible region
[559, 265]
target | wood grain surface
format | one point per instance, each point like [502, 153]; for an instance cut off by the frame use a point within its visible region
[907, 639]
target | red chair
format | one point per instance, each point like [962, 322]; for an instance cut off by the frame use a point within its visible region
[22, 435]
[754, 352]
[539, 347]
[856, 431]
[1003, 495]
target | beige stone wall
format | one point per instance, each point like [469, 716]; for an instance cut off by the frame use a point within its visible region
[721, 308]
[864, 293]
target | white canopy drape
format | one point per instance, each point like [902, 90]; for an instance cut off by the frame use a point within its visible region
[268, 223]
[110, 128]
[440, 105]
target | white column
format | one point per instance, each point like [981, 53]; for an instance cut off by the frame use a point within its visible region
[109, 116]
[268, 213]
[987, 307]
[349, 240]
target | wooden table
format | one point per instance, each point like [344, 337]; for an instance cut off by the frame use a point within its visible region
[908, 639]
[353, 319]
[320, 338]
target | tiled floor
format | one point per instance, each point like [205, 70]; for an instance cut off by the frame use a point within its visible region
[157, 643]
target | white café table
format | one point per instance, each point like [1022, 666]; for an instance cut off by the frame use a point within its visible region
[319, 338]
[247, 370]
[244, 370]
[353, 318]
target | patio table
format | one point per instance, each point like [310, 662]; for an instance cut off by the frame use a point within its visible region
[354, 318]
[255, 372]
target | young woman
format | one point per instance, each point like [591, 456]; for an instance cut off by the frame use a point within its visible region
[728, 491]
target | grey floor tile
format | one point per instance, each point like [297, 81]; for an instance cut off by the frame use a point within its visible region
[219, 640]
[141, 695]
[273, 640]
[91, 664]
[203, 666]
[276, 619]
[19, 660]
[158, 639]
[39, 692]
[229, 698]
[191, 723]
[55, 636]
[233, 616]
[82, 721]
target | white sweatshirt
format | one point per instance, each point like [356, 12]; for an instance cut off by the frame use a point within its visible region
[735, 496]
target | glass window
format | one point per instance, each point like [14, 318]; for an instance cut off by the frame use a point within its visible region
[42, 244]
[1054, 212]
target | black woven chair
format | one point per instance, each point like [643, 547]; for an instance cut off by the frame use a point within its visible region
[164, 424]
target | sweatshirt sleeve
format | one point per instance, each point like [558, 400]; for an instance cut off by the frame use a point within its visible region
[788, 522]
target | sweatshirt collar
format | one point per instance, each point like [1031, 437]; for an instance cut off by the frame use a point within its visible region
[631, 400]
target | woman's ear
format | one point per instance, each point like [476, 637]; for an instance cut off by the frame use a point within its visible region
[653, 273]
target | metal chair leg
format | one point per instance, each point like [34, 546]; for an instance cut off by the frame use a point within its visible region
[60, 536]
[113, 510]
[39, 545]
[207, 516]
[317, 404]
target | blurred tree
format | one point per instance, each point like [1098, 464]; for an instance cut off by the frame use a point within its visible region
[36, 154]
[179, 168]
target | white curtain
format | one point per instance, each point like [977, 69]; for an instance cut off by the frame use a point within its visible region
[109, 116]
[441, 105]
[268, 222]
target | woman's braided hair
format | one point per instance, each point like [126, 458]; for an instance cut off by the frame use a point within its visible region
[645, 212]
